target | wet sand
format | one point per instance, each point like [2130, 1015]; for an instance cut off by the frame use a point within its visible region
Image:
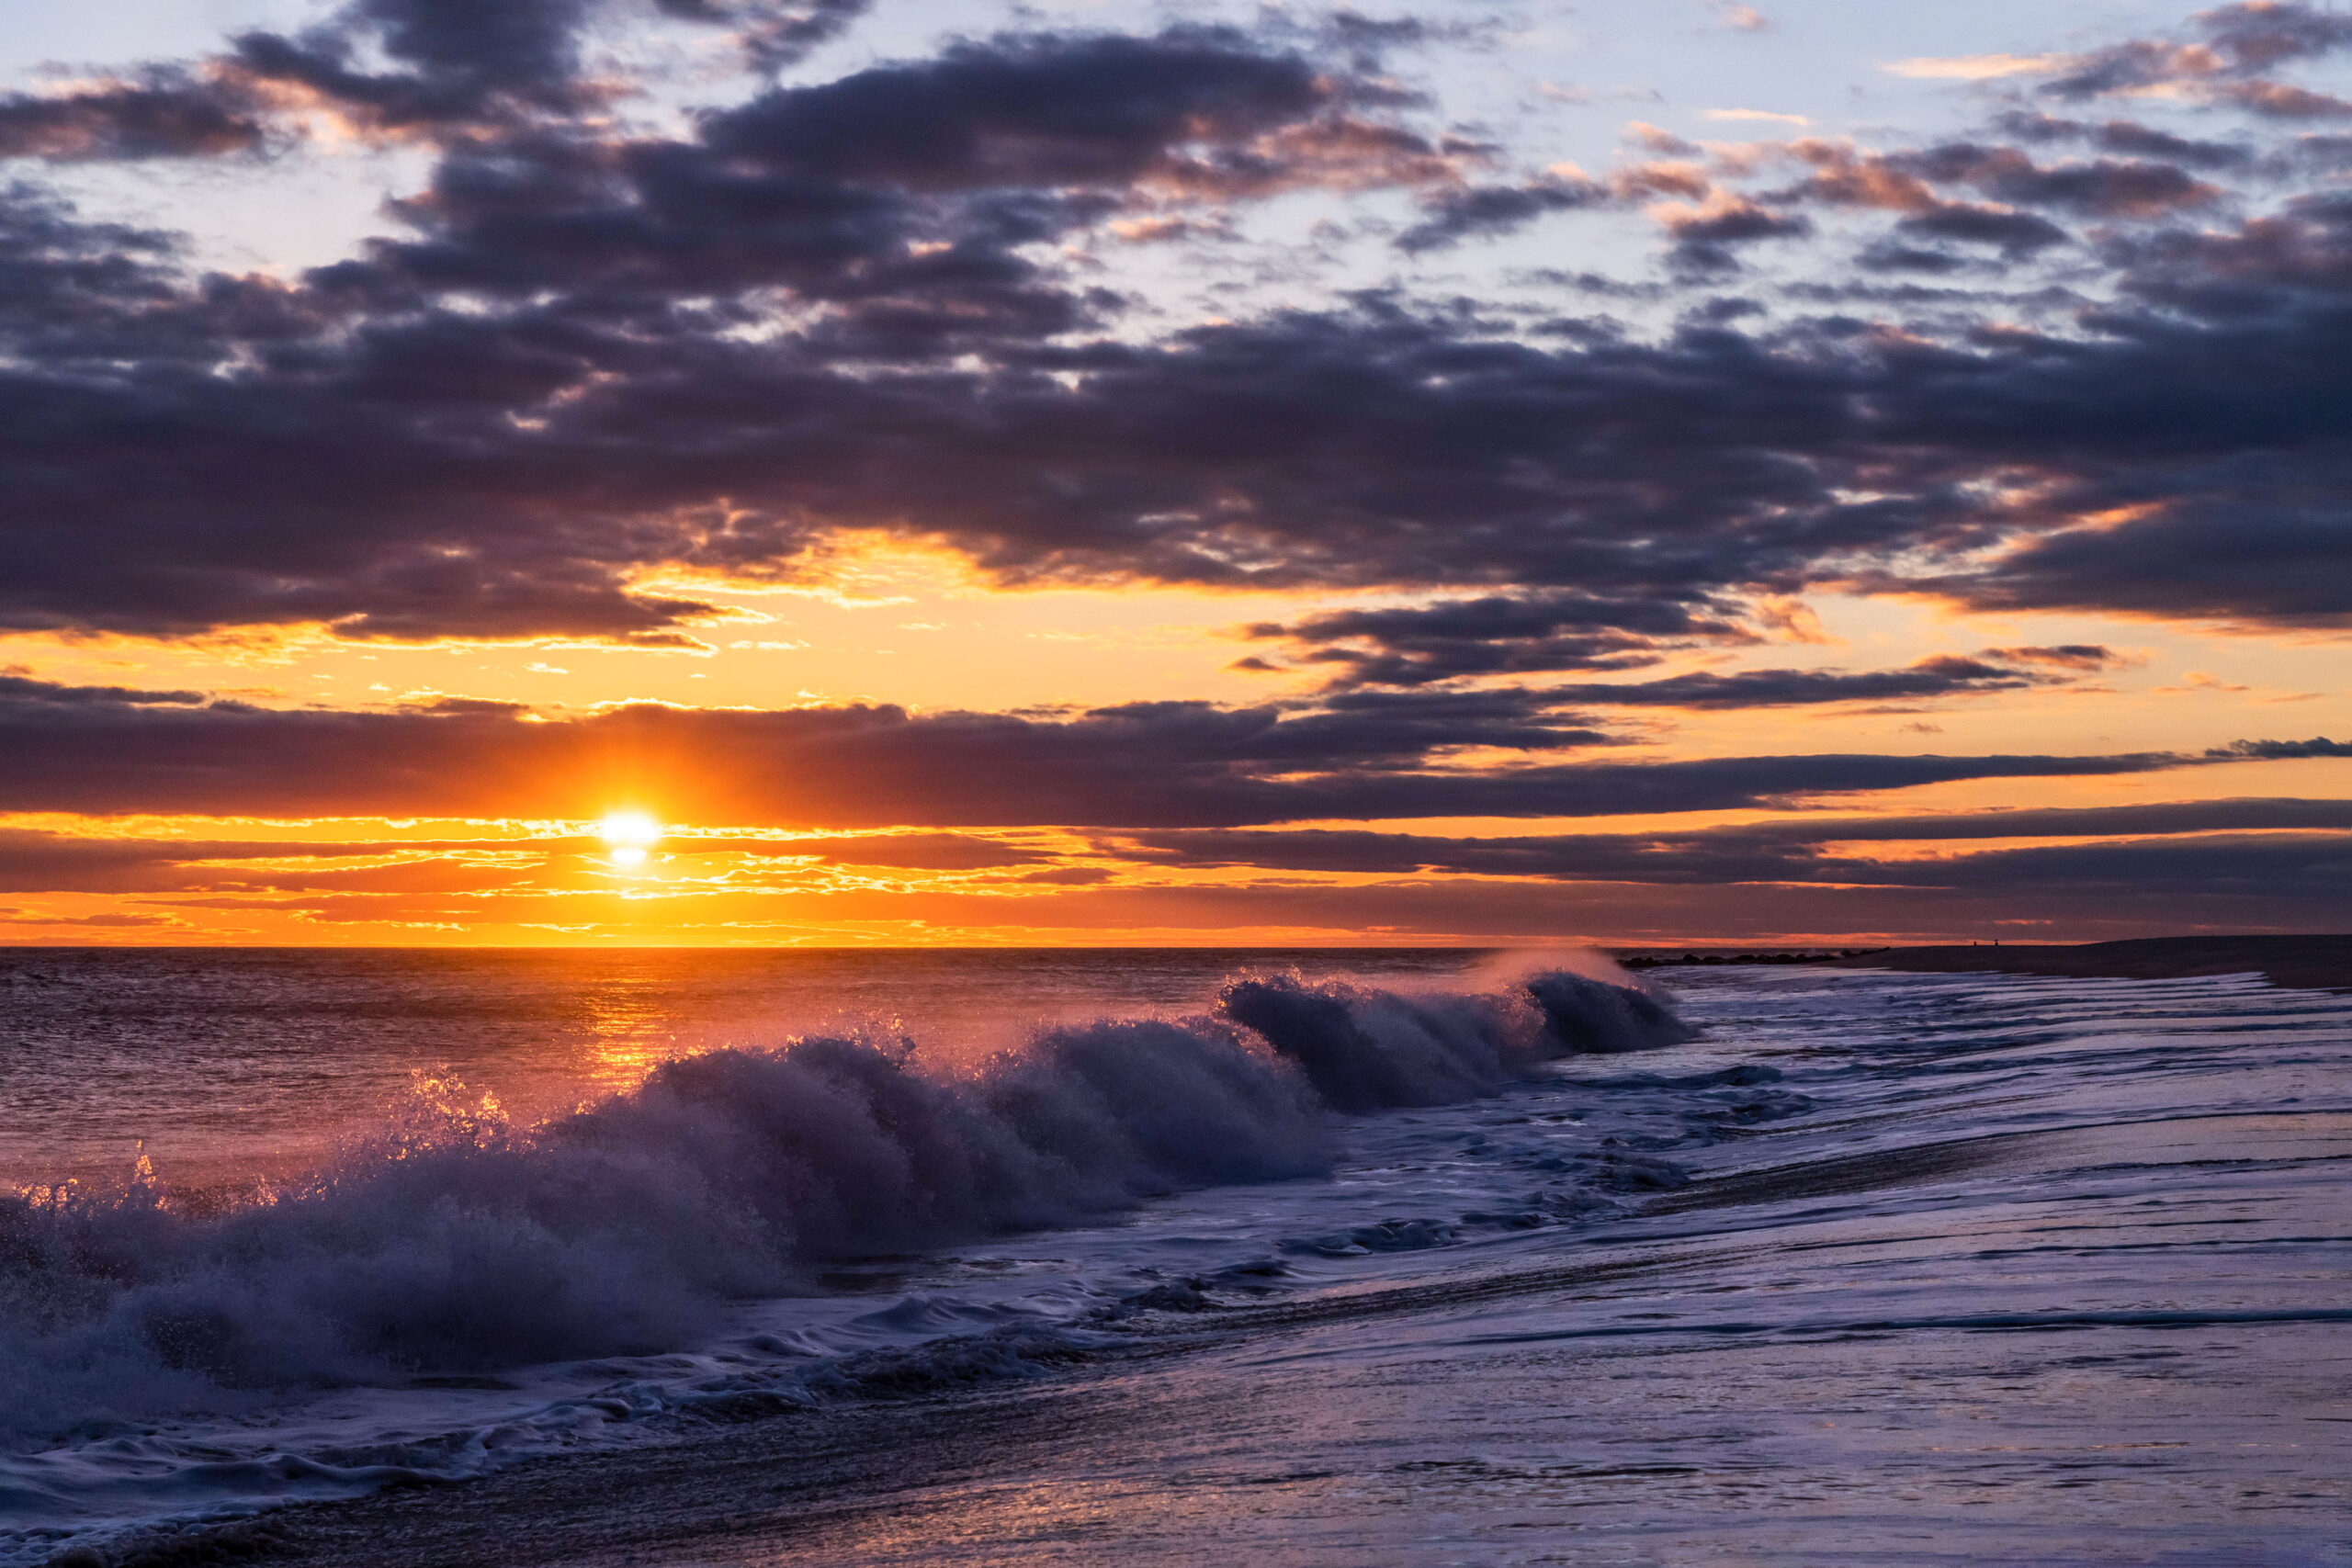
[2315, 963]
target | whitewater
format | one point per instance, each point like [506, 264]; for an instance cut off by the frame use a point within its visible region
[1364, 1259]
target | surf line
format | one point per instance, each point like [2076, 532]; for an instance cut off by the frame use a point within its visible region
[1994, 1322]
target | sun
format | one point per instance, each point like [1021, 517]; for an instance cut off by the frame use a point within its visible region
[630, 833]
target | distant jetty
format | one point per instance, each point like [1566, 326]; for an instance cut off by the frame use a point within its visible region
[2318, 963]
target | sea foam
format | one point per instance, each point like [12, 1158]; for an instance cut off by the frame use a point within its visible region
[457, 1242]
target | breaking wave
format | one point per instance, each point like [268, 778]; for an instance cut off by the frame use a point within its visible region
[456, 1242]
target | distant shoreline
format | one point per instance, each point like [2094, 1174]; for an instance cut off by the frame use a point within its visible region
[2312, 963]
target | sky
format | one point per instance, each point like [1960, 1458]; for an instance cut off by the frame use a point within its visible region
[820, 472]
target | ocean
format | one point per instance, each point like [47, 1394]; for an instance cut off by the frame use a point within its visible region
[1411, 1257]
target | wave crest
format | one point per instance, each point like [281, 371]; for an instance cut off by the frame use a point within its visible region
[458, 1242]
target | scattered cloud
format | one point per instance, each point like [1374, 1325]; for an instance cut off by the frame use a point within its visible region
[1349, 754]
[1739, 18]
[2058, 360]
[1978, 67]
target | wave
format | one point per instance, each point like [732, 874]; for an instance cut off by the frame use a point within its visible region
[456, 1242]
[1371, 1050]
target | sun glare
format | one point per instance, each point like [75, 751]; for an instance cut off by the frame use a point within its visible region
[630, 833]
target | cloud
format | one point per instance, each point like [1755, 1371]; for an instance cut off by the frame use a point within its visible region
[593, 360]
[774, 35]
[2274, 750]
[1197, 111]
[2074, 656]
[2065, 361]
[24, 693]
[1455, 215]
[1906, 182]
[563, 455]
[1499, 635]
[2209, 860]
[1977, 67]
[2129, 137]
[33, 861]
[2250, 556]
[1457, 639]
[163, 113]
[2239, 42]
[1941, 675]
[1362, 755]
[1679, 891]
[2226, 66]
[2240, 840]
[902, 196]
[1729, 221]
[2104, 187]
[911, 851]
[453, 68]
[109, 920]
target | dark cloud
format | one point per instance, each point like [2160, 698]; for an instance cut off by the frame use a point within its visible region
[164, 114]
[1541, 910]
[2278, 101]
[425, 70]
[2103, 187]
[1191, 111]
[2129, 137]
[2222, 882]
[370, 465]
[1706, 236]
[2252, 557]
[1942, 676]
[2228, 880]
[862, 305]
[1454, 639]
[444, 473]
[1357, 755]
[2079, 656]
[1734, 223]
[1513, 633]
[25, 695]
[37, 861]
[1909, 182]
[456, 65]
[2249, 814]
[2237, 43]
[2272, 751]
[774, 35]
[1479, 211]
[1821, 851]
[2017, 233]
[841, 307]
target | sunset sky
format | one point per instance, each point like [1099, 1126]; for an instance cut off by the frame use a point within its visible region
[1638, 472]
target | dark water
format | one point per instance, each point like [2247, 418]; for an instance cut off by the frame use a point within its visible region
[1414, 1258]
[231, 1060]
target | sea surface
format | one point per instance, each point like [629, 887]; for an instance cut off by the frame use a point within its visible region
[1171, 1255]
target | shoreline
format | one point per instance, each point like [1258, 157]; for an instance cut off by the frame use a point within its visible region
[2301, 963]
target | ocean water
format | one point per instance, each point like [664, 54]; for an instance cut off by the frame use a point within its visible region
[1317, 1258]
